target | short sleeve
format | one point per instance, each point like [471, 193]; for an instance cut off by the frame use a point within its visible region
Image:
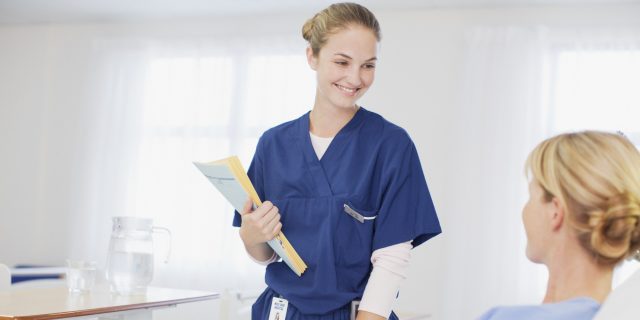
[255, 174]
[406, 212]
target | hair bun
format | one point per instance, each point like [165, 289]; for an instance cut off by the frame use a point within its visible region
[307, 28]
[334, 18]
[615, 231]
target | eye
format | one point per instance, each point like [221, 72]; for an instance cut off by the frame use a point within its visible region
[370, 66]
[341, 62]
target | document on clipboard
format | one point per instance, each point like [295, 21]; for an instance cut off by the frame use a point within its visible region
[230, 178]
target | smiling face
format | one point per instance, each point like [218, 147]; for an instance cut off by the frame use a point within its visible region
[345, 67]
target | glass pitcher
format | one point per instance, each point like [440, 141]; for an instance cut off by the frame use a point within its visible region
[130, 258]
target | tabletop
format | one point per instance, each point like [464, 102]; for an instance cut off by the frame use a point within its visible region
[33, 303]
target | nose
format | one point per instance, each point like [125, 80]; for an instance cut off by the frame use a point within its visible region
[354, 76]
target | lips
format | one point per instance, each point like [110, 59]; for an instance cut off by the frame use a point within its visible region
[347, 90]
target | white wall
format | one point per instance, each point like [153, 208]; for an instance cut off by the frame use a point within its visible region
[43, 74]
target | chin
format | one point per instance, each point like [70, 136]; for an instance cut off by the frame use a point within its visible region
[533, 257]
[345, 104]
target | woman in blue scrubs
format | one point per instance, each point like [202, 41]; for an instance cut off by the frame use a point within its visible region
[344, 184]
[581, 220]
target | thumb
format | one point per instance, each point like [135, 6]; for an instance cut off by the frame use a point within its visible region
[248, 207]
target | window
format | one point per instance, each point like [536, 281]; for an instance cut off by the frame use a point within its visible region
[202, 108]
[598, 90]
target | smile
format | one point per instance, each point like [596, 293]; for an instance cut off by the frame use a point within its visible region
[350, 91]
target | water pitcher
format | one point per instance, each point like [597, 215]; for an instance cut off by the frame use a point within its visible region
[130, 258]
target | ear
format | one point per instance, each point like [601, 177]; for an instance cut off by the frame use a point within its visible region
[311, 59]
[556, 214]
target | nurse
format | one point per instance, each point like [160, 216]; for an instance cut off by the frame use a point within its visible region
[581, 220]
[344, 184]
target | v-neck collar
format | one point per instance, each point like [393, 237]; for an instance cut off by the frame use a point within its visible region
[339, 142]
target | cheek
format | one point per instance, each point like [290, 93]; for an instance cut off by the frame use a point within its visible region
[326, 72]
[335, 75]
[526, 222]
[531, 221]
[525, 215]
[534, 233]
[368, 78]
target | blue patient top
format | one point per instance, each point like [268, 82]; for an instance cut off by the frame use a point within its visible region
[574, 309]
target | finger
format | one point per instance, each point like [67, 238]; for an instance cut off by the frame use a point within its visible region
[270, 225]
[262, 210]
[270, 215]
[248, 207]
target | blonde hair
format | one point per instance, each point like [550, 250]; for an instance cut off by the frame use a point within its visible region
[334, 18]
[596, 176]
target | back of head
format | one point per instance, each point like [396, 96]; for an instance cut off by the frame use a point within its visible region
[596, 176]
[334, 18]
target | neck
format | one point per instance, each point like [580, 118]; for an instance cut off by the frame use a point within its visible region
[326, 121]
[577, 275]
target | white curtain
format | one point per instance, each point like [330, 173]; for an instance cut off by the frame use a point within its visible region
[502, 114]
[521, 85]
[596, 74]
[161, 104]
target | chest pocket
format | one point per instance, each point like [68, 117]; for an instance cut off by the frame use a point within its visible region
[355, 229]
[357, 215]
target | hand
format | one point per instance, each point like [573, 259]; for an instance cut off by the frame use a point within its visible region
[365, 315]
[260, 225]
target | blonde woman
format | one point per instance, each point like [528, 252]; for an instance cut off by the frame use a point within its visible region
[344, 184]
[581, 220]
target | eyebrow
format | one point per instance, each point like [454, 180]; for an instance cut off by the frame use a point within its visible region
[348, 57]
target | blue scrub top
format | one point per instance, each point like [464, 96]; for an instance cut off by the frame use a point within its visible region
[371, 166]
[575, 309]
